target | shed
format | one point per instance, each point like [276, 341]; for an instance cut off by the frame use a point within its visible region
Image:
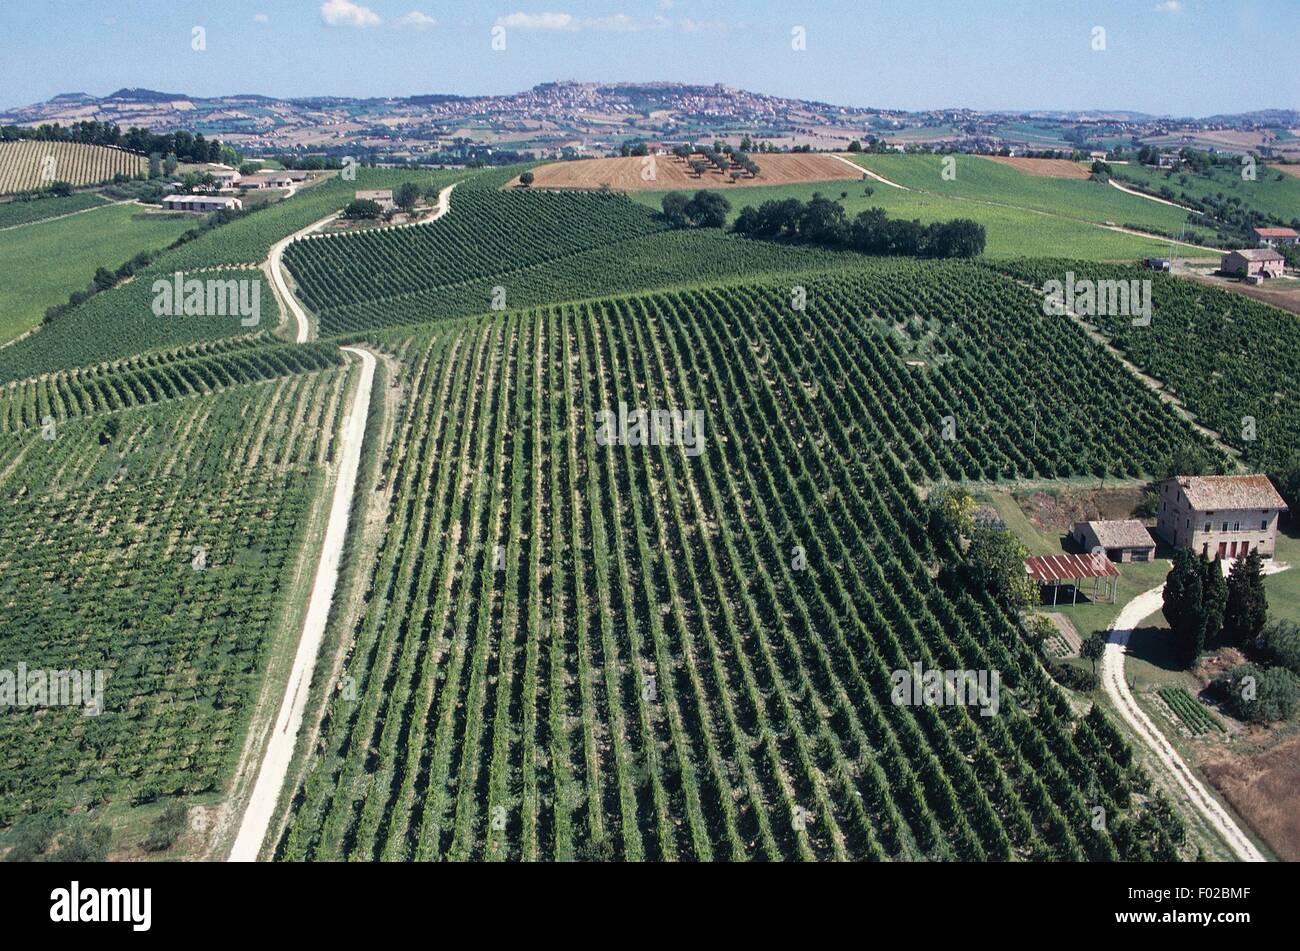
[1055, 570]
[1265, 262]
[1123, 540]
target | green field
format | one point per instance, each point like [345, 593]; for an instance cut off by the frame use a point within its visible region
[46, 262]
[1022, 215]
[15, 213]
[1271, 193]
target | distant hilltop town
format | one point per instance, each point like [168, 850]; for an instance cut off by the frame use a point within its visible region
[576, 119]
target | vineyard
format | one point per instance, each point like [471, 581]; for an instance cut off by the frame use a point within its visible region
[486, 233]
[1234, 362]
[154, 544]
[581, 650]
[32, 164]
[15, 213]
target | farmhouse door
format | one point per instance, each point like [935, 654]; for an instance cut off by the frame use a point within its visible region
[1223, 549]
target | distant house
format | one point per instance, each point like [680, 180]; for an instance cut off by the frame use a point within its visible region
[266, 180]
[1251, 262]
[1126, 540]
[1228, 516]
[202, 203]
[382, 197]
[1276, 236]
[1169, 160]
[225, 178]
[1097, 155]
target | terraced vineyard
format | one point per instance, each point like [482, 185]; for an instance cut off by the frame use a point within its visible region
[155, 544]
[31, 164]
[576, 649]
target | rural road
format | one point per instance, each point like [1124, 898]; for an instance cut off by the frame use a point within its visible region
[1116, 687]
[280, 747]
[870, 174]
[1134, 191]
[273, 262]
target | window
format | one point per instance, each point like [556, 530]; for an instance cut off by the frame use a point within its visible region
[1162, 508]
[1225, 526]
[1236, 526]
[1263, 525]
[1209, 527]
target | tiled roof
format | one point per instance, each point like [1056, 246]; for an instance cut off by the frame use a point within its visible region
[1277, 233]
[1069, 567]
[1129, 533]
[1207, 493]
[1259, 254]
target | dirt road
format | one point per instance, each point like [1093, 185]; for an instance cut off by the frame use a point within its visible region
[280, 747]
[274, 265]
[1116, 687]
[870, 174]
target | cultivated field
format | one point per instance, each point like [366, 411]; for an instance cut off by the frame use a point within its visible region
[30, 164]
[1047, 168]
[669, 172]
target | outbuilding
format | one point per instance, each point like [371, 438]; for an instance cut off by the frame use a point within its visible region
[1124, 540]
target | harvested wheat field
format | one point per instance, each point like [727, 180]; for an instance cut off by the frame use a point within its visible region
[1043, 167]
[1262, 789]
[657, 172]
[1292, 170]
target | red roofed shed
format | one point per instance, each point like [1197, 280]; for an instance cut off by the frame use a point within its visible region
[1055, 570]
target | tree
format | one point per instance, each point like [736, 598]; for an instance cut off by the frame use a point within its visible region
[674, 206]
[1214, 597]
[1094, 648]
[1280, 644]
[526, 179]
[406, 195]
[952, 513]
[1259, 694]
[995, 562]
[1183, 605]
[362, 208]
[708, 209]
[1247, 603]
[855, 146]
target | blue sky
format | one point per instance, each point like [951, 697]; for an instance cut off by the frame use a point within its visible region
[1180, 57]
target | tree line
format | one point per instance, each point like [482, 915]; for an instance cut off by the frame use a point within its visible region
[186, 147]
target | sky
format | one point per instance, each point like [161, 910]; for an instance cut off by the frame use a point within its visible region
[1165, 57]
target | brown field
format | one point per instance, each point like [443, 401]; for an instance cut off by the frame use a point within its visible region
[625, 174]
[1043, 167]
[1292, 170]
[1263, 789]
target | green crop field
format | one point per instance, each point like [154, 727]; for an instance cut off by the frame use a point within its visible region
[1270, 192]
[15, 213]
[46, 261]
[1014, 230]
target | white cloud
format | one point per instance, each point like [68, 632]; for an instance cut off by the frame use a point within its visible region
[347, 13]
[261, 18]
[416, 20]
[539, 21]
[1170, 6]
[687, 25]
[614, 23]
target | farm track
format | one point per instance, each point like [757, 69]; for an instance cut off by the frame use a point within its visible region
[1117, 689]
[280, 747]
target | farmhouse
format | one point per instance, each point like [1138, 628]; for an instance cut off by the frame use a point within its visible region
[267, 180]
[1228, 516]
[382, 197]
[1126, 540]
[202, 203]
[225, 178]
[1273, 237]
[1253, 262]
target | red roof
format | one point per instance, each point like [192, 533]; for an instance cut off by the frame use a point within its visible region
[1277, 233]
[1069, 567]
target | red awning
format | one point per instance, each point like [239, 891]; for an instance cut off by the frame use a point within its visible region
[1051, 568]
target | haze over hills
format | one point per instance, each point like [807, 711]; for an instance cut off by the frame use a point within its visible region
[589, 118]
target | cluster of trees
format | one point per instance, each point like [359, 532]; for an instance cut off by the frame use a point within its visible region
[721, 156]
[708, 209]
[1205, 611]
[186, 147]
[405, 196]
[823, 221]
